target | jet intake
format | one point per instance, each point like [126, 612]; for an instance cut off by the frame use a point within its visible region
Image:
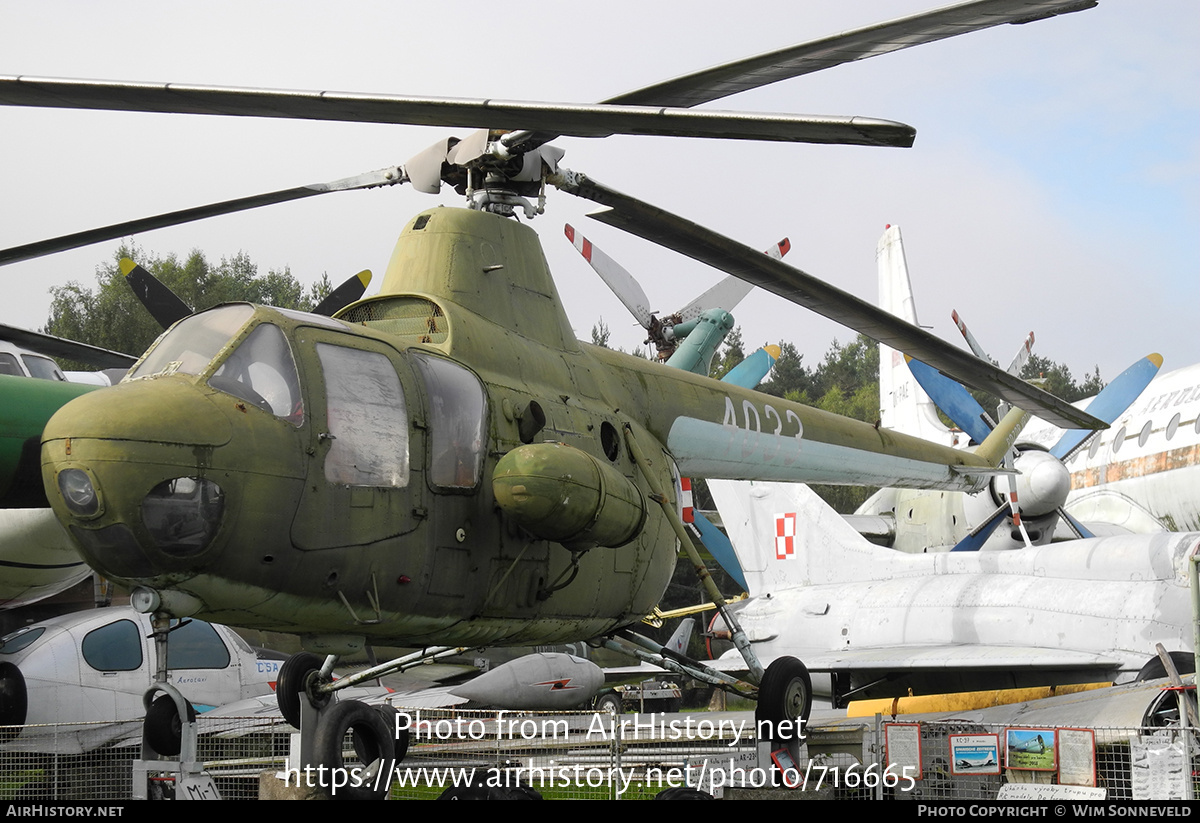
[565, 495]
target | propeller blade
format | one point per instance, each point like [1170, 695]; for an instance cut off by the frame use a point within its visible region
[345, 294]
[720, 548]
[1075, 525]
[954, 400]
[697, 242]
[163, 304]
[69, 349]
[1112, 401]
[382, 177]
[751, 371]
[622, 283]
[979, 535]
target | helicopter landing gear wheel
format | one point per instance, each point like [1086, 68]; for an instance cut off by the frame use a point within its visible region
[785, 698]
[400, 736]
[373, 742]
[163, 726]
[609, 704]
[298, 674]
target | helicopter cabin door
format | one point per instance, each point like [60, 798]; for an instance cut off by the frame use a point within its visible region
[364, 485]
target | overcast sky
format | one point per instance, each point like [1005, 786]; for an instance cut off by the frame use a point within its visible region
[1053, 186]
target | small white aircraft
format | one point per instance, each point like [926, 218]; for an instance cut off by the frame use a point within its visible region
[1141, 475]
[90, 669]
[874, 622]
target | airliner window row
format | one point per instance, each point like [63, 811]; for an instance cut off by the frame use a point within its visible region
[1142, 438]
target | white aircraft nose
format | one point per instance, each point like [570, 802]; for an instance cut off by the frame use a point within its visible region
[1043, 483]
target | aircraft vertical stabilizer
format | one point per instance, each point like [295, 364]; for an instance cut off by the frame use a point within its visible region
[786, 537]
[904, 405]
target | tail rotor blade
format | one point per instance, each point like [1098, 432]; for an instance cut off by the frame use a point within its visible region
[725, 295]
[1022, 356]
[972, 343]
[628, 290]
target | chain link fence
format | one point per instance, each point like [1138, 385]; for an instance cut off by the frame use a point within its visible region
[584, 755]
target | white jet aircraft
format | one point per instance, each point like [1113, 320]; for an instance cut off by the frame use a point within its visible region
[1142, 475]
[874, 622]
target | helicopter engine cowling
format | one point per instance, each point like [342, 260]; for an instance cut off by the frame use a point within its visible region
[563, 494]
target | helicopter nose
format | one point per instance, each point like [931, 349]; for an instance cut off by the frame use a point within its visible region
[127, 470]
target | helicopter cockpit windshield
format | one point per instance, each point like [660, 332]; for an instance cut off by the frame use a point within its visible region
[260, 370]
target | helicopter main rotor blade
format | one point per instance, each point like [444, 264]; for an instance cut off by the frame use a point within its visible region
[69, 349]
[596, 120]
[383, 177]
[692, 240]
[816, 55]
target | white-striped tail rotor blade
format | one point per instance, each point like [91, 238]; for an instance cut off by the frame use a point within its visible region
[730, 291]
[1022, 356]
[628, 290]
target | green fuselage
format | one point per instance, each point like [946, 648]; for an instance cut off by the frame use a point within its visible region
[339, 479]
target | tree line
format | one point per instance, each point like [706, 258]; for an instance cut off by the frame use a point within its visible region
[110, 316]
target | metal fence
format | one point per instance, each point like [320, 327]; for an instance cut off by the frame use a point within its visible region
[572, 756]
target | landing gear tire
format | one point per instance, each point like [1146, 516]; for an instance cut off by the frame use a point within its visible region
[390, 713]
[608, 703]
[298, 674]
[785, 698]
[1185, 663]
[372, 740]
[163, 727]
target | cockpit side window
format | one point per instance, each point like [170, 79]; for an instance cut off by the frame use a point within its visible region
[262, 371]
[116, 647]
[367, 417]
[42, 368]
[193, 342]
[20, 639]
[9, 365]
[196, 645]
[457, 408]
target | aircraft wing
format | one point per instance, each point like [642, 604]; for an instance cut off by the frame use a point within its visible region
[933, 658]
[901, 658]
